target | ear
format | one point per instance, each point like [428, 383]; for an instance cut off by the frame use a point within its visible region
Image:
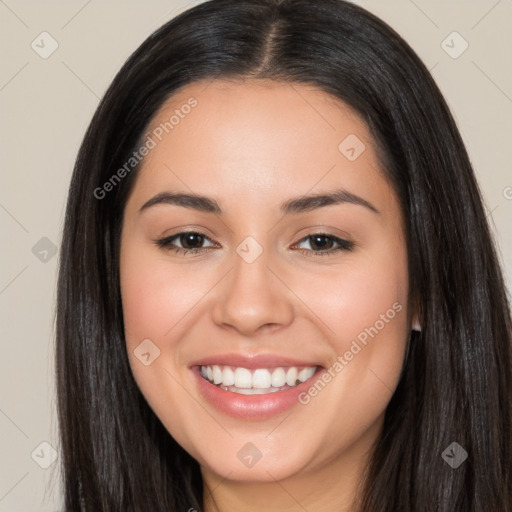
[416, 324]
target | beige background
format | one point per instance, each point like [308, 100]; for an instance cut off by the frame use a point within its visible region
[46, 105]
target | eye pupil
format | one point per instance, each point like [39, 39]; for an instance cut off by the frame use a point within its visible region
[187, 239]
[316, 242]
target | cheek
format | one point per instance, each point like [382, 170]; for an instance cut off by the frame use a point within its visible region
[155, 296]
[352, 297]
[374, 343]
[156, 301]
[363, 305]
[146, 302]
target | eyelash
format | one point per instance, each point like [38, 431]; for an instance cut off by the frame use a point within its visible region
[343, 245]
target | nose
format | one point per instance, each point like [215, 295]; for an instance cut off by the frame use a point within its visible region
[252, 298]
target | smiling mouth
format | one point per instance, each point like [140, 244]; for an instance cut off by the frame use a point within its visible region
[258, 381]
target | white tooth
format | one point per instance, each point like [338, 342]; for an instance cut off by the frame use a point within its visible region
[256, 391]
[242, 391]
[278, 378]
[261, 379]
[243, 378]
[217, 374]
[291, 376]
[250, 391]
[209, 373]
[228, 377]
[306, 373]
[203, 371]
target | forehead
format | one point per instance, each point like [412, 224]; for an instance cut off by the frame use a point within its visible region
[271, 138]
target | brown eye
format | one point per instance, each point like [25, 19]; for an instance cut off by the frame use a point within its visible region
[322, 244]
[189, 241]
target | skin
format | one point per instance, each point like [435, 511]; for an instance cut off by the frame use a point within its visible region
[251, 145]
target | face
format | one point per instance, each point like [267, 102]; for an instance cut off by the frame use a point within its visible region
[264, 279]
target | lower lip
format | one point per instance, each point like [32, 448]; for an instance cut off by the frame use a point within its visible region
[252, 407]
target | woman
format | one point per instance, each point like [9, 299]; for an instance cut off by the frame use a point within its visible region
[277, 287]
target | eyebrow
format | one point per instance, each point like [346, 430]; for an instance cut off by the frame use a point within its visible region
[295, 205]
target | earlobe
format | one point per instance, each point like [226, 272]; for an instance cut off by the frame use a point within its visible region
[416, 324]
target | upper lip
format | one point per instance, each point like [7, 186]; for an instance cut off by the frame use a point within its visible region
[253, 362]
